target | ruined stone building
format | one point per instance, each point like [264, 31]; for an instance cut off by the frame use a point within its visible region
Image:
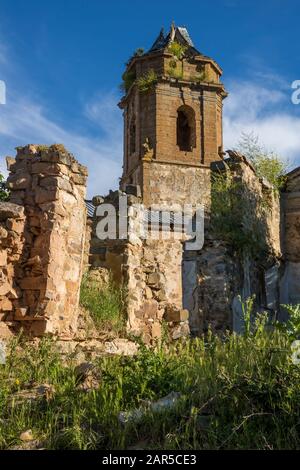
[173, 144]
[173, 157]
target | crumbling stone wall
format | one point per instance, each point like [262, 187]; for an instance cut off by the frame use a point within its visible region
[224, 273]
[217, 275]
[47, 193]
[12, 224]
[148, 268]
[87, 244]
[290, 202]
[154, 282]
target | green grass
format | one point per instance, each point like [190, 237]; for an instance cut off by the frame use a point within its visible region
[106, 304]
[237, 392]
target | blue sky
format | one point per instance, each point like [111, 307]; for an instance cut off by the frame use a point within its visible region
[62, 61]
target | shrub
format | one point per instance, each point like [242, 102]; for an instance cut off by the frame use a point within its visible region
[177, 50]
[139, 52]
[267, 163]
[230, 202]
[147, 81]
[128, 78]
[175, 73]
[291, 327]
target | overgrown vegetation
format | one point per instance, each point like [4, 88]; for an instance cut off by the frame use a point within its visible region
[238, 212]
[128, 78]
[236, 392]
[177, 50]
[175, 69]
[147, 81]
[267, 163]
[232, 203]
[200, 77]
[175, 72]
[105, 303]
[4, 192]
[139, 52]
[144, 83]
[291, 328]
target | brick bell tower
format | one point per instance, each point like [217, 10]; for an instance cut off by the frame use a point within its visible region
[172, 120]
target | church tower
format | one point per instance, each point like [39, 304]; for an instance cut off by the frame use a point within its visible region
[172, 111]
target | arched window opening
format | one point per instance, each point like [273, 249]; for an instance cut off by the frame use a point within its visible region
[186, 138]
[132, 136]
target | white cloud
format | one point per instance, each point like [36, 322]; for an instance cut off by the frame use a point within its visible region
[24, 121]
[252, 107]
[103, 111]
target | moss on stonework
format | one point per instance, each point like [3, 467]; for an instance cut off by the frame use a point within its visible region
[42, 148]
[175, 73]
[200, 77]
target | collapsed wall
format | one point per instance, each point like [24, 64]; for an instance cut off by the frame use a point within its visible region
[42, 240]
[146, 264]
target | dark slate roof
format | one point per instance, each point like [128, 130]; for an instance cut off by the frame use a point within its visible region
[180, 33]
[184, 33]
[159, 43]
[90, 208]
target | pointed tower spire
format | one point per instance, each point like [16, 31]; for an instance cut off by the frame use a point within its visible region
[172, 31]
[159, 42]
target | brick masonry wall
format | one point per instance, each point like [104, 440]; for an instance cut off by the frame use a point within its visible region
[155, 115]
[48, 185]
